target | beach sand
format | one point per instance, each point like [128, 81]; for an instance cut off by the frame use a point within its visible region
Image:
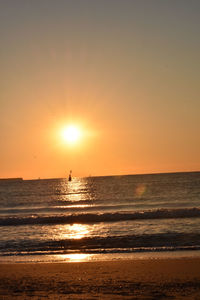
[123, 279]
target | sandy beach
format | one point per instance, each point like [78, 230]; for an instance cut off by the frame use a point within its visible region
[130, 279]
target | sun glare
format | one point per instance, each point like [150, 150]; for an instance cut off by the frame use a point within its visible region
[71, 134]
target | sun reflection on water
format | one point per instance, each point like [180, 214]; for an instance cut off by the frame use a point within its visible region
[76, 257]
[74, 197]
[76, 231]
[75, 190]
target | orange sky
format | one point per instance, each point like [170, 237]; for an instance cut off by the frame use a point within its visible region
[126, 71]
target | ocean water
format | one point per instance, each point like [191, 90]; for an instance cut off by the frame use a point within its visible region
[99, 217]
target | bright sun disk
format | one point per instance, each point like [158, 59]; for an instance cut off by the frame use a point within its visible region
[71, 134]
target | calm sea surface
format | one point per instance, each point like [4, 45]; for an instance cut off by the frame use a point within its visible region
[53, 219]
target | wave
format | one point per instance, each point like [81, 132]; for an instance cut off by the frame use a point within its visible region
[100, 251]
[88, 218]
[61, 209]
[110, 244]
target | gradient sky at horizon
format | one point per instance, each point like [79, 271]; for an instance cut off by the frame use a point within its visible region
[127, 71]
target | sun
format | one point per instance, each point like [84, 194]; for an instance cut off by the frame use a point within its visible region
[71, 134]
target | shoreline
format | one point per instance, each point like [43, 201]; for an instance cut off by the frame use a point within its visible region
[175, 278]
[101, 257]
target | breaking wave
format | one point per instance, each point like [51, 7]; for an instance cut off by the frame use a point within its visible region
[89, 218]
[110, 244]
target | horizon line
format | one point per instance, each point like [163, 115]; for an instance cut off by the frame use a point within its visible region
[111, 175]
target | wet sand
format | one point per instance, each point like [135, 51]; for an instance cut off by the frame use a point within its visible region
[130, 279]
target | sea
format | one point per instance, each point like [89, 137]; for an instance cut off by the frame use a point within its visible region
[100, 218]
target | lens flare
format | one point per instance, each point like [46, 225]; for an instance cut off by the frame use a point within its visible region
[140, 190]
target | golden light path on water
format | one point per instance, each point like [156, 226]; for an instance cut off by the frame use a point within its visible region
[76, 190]
[75, 231]
[73, 191]
[76, 257]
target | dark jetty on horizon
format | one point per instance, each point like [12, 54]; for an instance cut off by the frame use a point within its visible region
[11, 179]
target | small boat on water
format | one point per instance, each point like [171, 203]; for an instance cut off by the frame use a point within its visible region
[70, 176]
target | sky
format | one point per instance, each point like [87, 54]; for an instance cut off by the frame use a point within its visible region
[126, 72]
